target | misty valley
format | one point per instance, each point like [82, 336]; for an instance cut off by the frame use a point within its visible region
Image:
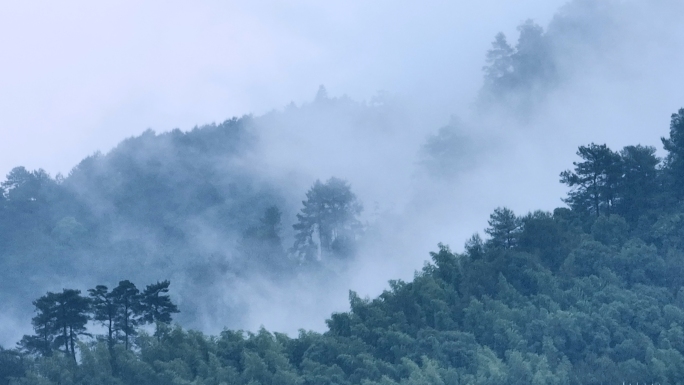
[230, 253]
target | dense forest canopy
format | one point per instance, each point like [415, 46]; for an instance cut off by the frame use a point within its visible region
[179, 204]
[588, 294]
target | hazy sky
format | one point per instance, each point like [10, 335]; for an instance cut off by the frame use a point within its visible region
[77, 77]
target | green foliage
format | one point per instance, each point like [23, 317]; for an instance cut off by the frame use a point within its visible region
[610, 230]
[474, 246]
[588, 294]
[126, 298]
[549, 236]
[504, 228]
[640, 184]
[141, 204]
[506, 316]
[156, 304]
[61, 319]
[594, 180]
[11, 366]
[104, 310]
[71, 312]
[327, 224]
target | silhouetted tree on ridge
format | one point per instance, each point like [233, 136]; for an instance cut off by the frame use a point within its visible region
[594, 181]
[504, 228]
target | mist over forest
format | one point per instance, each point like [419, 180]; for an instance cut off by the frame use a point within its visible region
[289, 224]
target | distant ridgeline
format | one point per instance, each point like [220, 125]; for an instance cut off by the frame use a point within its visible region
[159, 206]
[589, 294]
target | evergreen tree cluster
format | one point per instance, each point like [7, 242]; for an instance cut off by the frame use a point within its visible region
[520, 75]
[61, 318]
[153, 198]
[573, 296]
[607, 182]
[526, 66]
[142, 201]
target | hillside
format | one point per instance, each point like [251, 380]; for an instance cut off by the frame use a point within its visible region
[296, 219]
[182, 205]
[587, 294]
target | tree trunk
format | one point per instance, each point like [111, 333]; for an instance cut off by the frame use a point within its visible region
[71, 342]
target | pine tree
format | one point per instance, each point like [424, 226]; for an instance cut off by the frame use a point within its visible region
[329, 216]
[156, 304]
[594, 181]
[474, 247]
[640, 183]
[72, 315]
[104, 311]
[126, 297]
[504, 228]
[44, 324]
[499, 62]
[61, 319]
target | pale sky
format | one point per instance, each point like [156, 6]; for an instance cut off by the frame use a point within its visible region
[80, 76]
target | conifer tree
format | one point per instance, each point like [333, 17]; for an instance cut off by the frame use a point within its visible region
[499, 60]
[504, 228]
[639, 185]
[61, 319]
[594, 181]
[474, 247]
[72, 314]
[126, 297]
[44, 324]
[156, 304]
[12, 365]
[104, 311]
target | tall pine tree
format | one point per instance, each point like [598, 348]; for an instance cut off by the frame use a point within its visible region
[156, 304]
[594, 181]
[504, 228]
[104, 311]
[126, 297]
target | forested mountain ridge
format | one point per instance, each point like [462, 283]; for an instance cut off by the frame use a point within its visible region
[194, 207]
[588, 294]
[583, 294]
[188, 205]
[138, 202]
